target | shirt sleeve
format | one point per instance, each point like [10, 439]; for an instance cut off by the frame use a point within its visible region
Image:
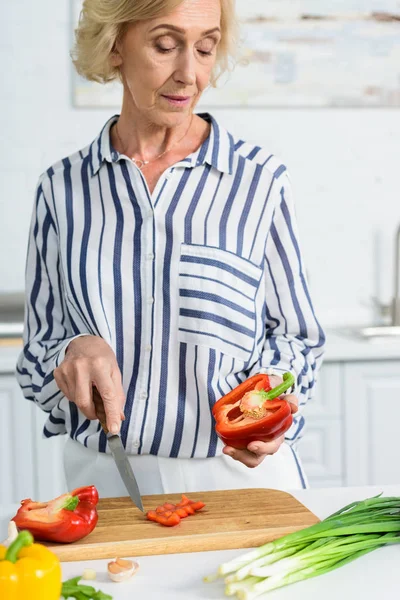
[48, 329]
[294, 340]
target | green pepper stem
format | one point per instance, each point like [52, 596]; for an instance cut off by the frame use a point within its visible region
[288, 381]
[72, 503]
[24, 538]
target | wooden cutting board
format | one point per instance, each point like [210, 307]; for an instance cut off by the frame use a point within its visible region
[10, 342]
[231, 519]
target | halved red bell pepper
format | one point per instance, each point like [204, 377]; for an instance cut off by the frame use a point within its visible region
[253, 412]
[68, 518]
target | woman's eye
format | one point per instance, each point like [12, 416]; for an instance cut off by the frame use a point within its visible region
[165, 44]
[164, 50]
[204, 52]
[207, 48]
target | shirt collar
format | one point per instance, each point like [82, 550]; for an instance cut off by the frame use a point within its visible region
[217, 150]
[101, 148]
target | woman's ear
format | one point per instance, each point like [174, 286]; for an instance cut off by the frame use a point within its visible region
[115, 58]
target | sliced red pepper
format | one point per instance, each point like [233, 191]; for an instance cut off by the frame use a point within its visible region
[189, 509]
[185, 500]
[198, 505]
[152, 515]
[238, 423]
[170, 514]
[68, 518]
[170, 521]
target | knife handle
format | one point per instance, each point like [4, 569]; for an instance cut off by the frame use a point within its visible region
[99, 408]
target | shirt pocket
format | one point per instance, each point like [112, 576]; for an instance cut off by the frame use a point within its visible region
[217, 291]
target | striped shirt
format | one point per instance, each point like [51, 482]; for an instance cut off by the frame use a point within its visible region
[196, 287]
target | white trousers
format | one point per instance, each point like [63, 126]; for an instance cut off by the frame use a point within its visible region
[158, 475]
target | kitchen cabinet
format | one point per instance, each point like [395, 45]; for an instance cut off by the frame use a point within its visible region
[352, 425]
[17, 454]
[30, 466]
[372, 421]
[321, 447]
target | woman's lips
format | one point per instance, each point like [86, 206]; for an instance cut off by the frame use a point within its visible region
[177, 100]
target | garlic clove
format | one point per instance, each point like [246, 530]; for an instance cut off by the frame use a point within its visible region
[121, 569]
[89, 574]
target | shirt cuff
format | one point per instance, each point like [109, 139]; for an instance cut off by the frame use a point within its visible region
[61, 355]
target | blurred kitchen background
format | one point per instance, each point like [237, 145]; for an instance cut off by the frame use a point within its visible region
[322, 90]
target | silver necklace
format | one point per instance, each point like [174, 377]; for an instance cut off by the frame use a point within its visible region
[139, 162]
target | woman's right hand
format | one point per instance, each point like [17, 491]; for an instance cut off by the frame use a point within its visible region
[90, 361]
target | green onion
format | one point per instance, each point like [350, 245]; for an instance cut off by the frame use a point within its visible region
[352, 531]
[264, 560]
[241, 587]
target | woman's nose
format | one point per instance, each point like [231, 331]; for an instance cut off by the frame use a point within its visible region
[185, 71]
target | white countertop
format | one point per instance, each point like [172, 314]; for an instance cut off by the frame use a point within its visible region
[9, 354]
[341, 346]
[179, 576]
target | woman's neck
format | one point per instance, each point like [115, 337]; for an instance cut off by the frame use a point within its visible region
[136, 136]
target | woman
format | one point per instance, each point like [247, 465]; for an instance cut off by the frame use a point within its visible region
[163, 266]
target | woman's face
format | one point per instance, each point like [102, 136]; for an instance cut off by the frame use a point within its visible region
[166, 62]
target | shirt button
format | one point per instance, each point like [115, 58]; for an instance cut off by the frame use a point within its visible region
[148, 348]
[150, 256]
[136, 443]
[143, 395]
[150, 300]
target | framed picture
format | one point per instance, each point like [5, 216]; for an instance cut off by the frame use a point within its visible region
[298, 53]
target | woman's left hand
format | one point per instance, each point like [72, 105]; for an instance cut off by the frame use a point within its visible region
[257, 451]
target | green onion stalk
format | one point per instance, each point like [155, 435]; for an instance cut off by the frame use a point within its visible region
[351, 532]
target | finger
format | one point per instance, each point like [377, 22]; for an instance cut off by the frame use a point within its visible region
[111, 400]
[293, 401]
[265, 448]
[117, 379]
[62, 382]
[244, 456]
[274, 380]
[83, 394]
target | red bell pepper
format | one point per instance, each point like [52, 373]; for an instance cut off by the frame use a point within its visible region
[68, 518]
[253, 412]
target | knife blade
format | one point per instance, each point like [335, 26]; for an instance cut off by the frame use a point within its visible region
[118, 453]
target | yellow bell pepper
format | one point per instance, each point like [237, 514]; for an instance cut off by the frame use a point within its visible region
[29, 571]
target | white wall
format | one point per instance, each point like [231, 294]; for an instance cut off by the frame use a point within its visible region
[344, 164]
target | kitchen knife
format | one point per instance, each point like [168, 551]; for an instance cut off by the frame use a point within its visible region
[118, 453]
